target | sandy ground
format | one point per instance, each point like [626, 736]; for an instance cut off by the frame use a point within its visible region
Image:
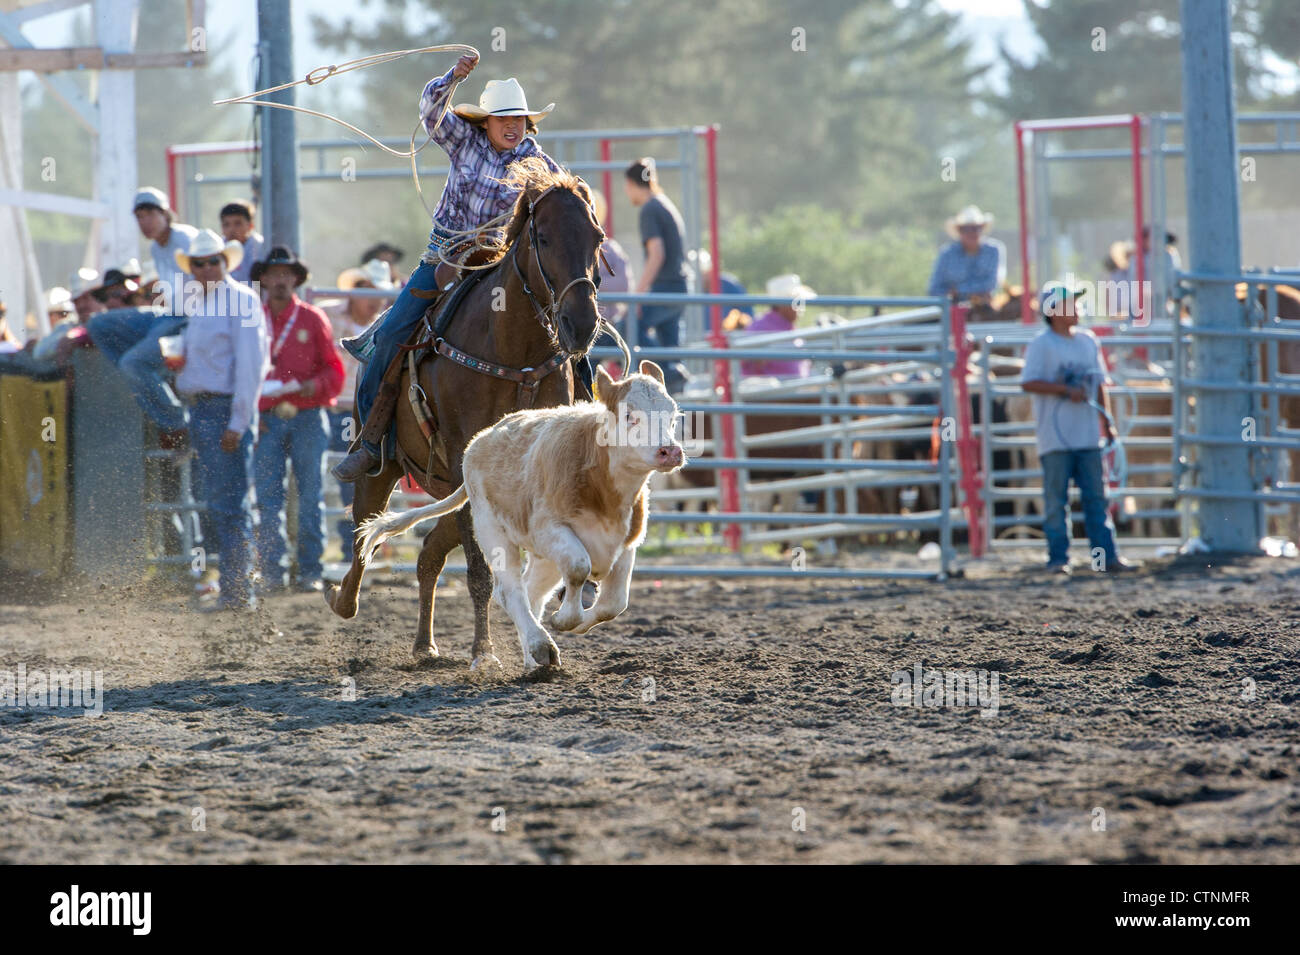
[1123, 731]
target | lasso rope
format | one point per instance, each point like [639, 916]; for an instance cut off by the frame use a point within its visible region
[320, 74]
[453, 237]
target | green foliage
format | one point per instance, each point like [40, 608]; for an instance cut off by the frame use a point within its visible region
[827, 254]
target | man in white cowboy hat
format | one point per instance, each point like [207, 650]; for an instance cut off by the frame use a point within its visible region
[305, 378]
[482, 142]
[63, 318]
[128, 337]
[971, 268]
[781, 318]
[351, 316]
[225, 361]
[83, 287]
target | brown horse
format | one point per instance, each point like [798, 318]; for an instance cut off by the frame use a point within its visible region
[535, 309]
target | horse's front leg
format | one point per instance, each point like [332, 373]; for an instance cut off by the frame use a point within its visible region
[480, 589]
[433, 557]
[370, 499]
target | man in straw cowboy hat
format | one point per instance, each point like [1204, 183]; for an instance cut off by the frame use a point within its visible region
[128, 337]
[305, 378]
[482, 142]
[972, 267]
[225, 351]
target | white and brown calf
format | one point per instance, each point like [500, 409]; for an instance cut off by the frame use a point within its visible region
[567, 485]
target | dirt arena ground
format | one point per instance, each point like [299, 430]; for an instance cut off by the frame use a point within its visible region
[1125, 730]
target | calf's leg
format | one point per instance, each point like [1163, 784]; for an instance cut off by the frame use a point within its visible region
[613, 593]
[510, 591]
[541, 577]
[562, 546]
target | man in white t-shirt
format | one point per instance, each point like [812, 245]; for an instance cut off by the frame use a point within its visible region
[1065, 374]
[128, 337]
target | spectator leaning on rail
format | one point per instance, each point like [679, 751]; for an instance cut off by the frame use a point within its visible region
[663, 241]
[128, 337]
[304, 380]
[225, 362]
[237, 226]
[350, 316]
[780, 318]
[483, 142]
[971, 268]
[1065, 374]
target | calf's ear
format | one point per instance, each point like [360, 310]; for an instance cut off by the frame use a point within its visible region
[654, 371]
[601, 383]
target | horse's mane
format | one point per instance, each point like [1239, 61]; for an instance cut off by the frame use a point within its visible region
[532, 177]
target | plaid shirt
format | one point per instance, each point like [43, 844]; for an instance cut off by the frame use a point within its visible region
[472, 195]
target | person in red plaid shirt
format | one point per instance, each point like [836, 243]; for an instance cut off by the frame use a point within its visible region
[482, 142]
[305, 379]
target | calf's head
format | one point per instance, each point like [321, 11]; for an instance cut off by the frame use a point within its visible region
[642, 420]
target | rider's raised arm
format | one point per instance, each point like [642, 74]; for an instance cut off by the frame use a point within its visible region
[453, 132]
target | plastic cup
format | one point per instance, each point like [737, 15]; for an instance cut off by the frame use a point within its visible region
[173, 351]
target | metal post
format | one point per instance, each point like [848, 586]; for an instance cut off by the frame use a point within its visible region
[1135, 135]
[607, 181]
[279, 133]
[1044, 253]
[721, 369]
[1026, 315]
[1227, 524]
[945, 448]
[115, 27]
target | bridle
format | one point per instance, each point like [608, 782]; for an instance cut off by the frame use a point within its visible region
[547, 314]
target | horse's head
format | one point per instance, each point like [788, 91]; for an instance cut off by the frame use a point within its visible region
[556, 239]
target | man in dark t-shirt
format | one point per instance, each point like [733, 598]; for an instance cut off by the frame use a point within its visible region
[663, 241]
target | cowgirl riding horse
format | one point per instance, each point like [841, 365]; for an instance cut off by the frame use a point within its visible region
[482, 142]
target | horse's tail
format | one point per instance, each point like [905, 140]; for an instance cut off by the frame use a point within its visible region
[379, 528]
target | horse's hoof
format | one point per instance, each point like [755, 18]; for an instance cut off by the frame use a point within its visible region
[485, 662]
[423, 655]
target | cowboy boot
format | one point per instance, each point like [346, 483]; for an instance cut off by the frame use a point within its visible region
[362, 460]
[363, 346]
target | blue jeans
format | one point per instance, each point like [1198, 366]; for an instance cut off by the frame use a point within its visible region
[128, 337]
[228, 483]
[1084, 467]
[660, 326]
[301, 440]
[397, 325]
[339, 421]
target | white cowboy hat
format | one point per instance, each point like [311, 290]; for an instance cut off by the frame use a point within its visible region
[789, 286]
[58, 299]
[501, 98]
[971, 215]
[208, 243]
[376, 272]
[82, 281]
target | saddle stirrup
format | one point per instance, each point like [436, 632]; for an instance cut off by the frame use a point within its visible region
[383, 457]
